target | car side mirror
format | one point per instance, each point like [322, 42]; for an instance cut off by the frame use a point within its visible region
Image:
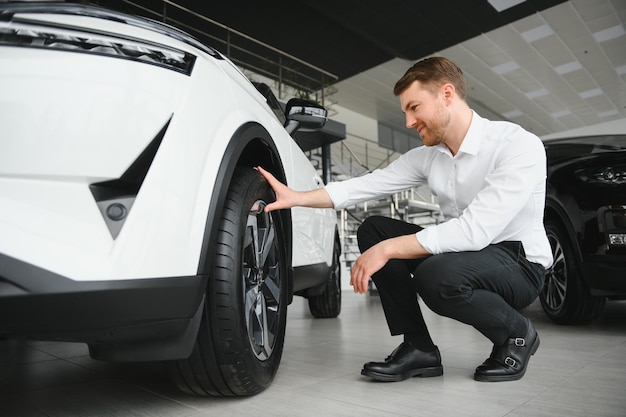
[304, 115]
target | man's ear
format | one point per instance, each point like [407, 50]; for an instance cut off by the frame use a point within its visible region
[448, 92]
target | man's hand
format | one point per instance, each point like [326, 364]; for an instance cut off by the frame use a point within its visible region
[287, 198]
[373, 259]
[366, 265]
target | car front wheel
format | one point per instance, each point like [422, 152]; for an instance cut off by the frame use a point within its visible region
[240, 341]
[565, 298]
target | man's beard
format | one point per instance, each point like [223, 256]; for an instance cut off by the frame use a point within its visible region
[437, 129]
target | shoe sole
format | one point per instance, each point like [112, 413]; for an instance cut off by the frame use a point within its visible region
[512, 377]
[421, 372]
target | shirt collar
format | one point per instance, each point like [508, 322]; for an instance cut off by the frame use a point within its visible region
[471, 141]
[473, 137]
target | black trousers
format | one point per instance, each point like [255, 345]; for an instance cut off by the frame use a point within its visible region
[485, 289]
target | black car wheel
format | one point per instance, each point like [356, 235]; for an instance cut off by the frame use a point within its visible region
[565, 298]
[328, 304]
[241, 337]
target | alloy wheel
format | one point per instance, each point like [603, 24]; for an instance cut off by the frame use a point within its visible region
[261, 276]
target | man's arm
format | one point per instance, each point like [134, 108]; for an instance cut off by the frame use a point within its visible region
[287, 198]
[373, 259]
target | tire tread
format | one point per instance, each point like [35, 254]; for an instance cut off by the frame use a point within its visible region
[215, 366]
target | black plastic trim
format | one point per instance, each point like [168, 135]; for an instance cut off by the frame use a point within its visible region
[310, 276]
[156, 313]
[554, 210]
[131, 180]
[604, 278]
[233, 157]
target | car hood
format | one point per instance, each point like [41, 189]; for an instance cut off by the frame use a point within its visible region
[592, 169]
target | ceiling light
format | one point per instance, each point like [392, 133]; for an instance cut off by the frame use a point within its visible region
[610, 33]
[513, 113]
[569, 67]
[506, 67]
[537, 93]
[608, 113]
[501, 5]
[561, 113]
[591, 93]
[537, 33]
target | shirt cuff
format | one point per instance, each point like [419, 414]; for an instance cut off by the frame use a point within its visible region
[337, 195]
[429, 239]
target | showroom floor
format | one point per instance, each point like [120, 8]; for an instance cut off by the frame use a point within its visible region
[577, 371]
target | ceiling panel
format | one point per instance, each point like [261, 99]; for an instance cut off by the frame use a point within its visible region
[349, 36]
[538, 63]
[542, 71]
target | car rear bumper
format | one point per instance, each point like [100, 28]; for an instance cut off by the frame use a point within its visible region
[605, 278]
[134, 320]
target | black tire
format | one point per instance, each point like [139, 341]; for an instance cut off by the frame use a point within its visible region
[240, 341]
[328, 304]
[565, 298]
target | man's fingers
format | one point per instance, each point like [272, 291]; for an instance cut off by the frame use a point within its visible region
[358, 278]
[271, 207]
[273, 183]
[268, 177]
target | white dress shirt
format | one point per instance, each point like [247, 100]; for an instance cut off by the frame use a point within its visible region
[492, 190]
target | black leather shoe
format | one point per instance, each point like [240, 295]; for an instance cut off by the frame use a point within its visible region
[405, 362]
[509, 361]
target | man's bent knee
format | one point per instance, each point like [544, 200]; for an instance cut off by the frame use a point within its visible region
[368, 234]
[439, 284]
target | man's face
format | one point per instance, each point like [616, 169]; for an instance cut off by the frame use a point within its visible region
[425, 112]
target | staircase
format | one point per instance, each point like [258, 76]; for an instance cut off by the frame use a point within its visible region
[417, 206]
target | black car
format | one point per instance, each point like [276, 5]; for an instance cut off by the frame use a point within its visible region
[585, 221]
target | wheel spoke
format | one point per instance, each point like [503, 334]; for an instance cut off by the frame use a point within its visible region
[272, 291]
[252, 235]
[560, 287]
[267, 241]
[260, 322]
[556, 285]
[556, 292]
[250, 303]
[265, 345]
[559, 257]
[263, 232]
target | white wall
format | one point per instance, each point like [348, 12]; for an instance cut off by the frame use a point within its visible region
[615, 127]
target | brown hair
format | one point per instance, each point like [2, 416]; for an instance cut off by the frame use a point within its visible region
[433, 73]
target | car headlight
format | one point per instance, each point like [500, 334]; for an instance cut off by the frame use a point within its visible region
[71, 39]
[609, 175]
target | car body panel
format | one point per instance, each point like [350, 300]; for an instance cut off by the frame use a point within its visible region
[47, 213]
[72, 119]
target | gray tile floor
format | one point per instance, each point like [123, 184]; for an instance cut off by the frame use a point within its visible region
[577, 371]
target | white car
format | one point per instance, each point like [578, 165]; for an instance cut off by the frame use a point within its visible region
[131, 215]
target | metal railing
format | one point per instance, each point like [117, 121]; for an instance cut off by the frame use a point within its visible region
[293, 76]
[416, 205]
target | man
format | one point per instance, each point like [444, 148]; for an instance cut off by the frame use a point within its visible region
[484, 263]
